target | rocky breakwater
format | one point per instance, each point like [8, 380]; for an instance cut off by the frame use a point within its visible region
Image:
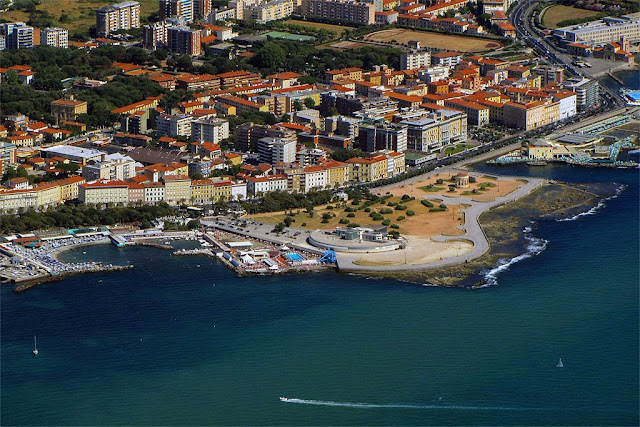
[79, 269]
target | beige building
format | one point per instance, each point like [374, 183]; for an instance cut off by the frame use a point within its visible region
[531, 115]
[103, 192]
[339, 10]
[177, 189]
[369, 169]
[121, 16]
[338, 173]
[208, 191]
[56, 37]
[269, 11]
[68, 109]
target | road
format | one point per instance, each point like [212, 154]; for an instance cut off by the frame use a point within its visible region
[522, 20]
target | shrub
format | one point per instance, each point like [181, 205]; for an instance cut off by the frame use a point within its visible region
[287, 221]
[440, 181]
[394, 233]
[443, 206]
[304, 224]
[437, 210]
[410, 213]
[406, 197]
[472, 179]
[386, 222]
[401, 208]
[378, 217]
[401, 218]
[324, 221]
[326, 215]
[348, 209]
[367, 209]
[343, 221]
[354, 225]
[355, 203]
[426, 203]
[386, 211]
[391, 204]
[395, 226]
[329, 207]
[351, 215]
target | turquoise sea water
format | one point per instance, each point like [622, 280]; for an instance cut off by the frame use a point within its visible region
[182, 341]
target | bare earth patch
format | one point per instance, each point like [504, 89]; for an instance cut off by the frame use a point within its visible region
[559, 13]
[436, 40]
[418, 251]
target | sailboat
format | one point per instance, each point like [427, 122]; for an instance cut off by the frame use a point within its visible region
[35, 346]
[560, 364]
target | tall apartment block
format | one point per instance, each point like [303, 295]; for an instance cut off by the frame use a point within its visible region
[185, 9]
[56, 37]
[121, 16]
[184, 40]
[18, 35]
[155, 35]
[339, 10]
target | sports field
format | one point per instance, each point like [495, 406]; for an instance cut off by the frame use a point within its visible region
[338, 29]
[559, 13]
[80, 13]
[435, 40]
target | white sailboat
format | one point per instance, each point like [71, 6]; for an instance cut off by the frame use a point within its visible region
[35, 346]
[560, 364]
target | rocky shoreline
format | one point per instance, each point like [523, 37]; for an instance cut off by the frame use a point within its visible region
[509, 230]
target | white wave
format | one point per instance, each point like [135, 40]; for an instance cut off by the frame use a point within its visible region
[596, 208]
[535, 247]
[399, 405]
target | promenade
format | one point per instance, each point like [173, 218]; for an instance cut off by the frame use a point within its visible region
[473, 233]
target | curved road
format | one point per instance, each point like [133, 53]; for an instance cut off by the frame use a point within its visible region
[472, 228]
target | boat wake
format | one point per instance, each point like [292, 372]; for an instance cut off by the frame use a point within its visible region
[399, 405]
[536, 246]
[602, 203]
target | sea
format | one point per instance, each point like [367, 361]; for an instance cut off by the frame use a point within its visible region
[183, 341]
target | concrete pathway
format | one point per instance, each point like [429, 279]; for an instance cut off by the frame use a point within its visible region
[472, 228]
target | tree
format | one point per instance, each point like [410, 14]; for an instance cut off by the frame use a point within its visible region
[271, 55]
[297, 105]
[309, 102]
[11, 77]
[286, 118]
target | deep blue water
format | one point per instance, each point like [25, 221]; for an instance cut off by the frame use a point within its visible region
[631, 79]
[182, 341]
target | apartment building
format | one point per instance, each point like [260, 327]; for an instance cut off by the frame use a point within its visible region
[266, 184]
[369, 169]
[209, 130]
[184, 40]
[446, 59]
[155, 35]
[268, 11]
[110, 167]
[241, 104]
[276, 150]
[103, 192]
[177, 189]
[587, 92]
[187, 10]
[18, 35]
[435, 130]
[415, 59]
[477, 114]
[382, 137]
[338, 173]
[56, 37]
[173, 125]
[315, 178]
[339, 10]
[121, 16]
[531, 115]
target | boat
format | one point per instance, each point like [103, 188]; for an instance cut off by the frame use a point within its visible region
[284, 399]
[35, 347]
[560, 364]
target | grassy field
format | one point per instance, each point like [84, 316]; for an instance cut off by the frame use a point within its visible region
[423, 223]
[435, 40]
[81, 12]
[559, 13]
[338, 29]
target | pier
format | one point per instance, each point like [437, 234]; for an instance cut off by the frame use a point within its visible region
[619, 81]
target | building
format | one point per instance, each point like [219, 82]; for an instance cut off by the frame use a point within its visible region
[369, 169]
[56, 37]
[477, 114]
[276, 150]
[184, 40]
[68, 109]
[155, 35]
[339, 10]
[531, 115]
[209, 130]
[18, 35]
[79, 155]
[606, 30]
[382, 137]
[587, 92]
[110, 167]
[173, 125]
[438, 129]
[415, 59]
[265, 184]
[103, 192]
[121, 16]
[262, 12]
[7, 155]
[177, 189]
[446, 59]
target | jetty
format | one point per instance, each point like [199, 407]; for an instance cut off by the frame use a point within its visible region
[617, 79]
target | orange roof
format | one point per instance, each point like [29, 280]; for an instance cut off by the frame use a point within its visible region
[447, 54]
[208, 39]
[285, 76]
[312, 169]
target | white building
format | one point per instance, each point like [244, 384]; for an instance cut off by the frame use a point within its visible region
[173, 125]
[433, 74]
[414, 60]
[153, 192]
[119, 16]
[238, 191]
[277, 150]
[315, 178]
[101, 192]
[568, 104]
[209, 130]
[604, 31]
[56, 37]
[265, 184]
[110, 167]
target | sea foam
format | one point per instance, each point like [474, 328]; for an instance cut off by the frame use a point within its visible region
[602, 203]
